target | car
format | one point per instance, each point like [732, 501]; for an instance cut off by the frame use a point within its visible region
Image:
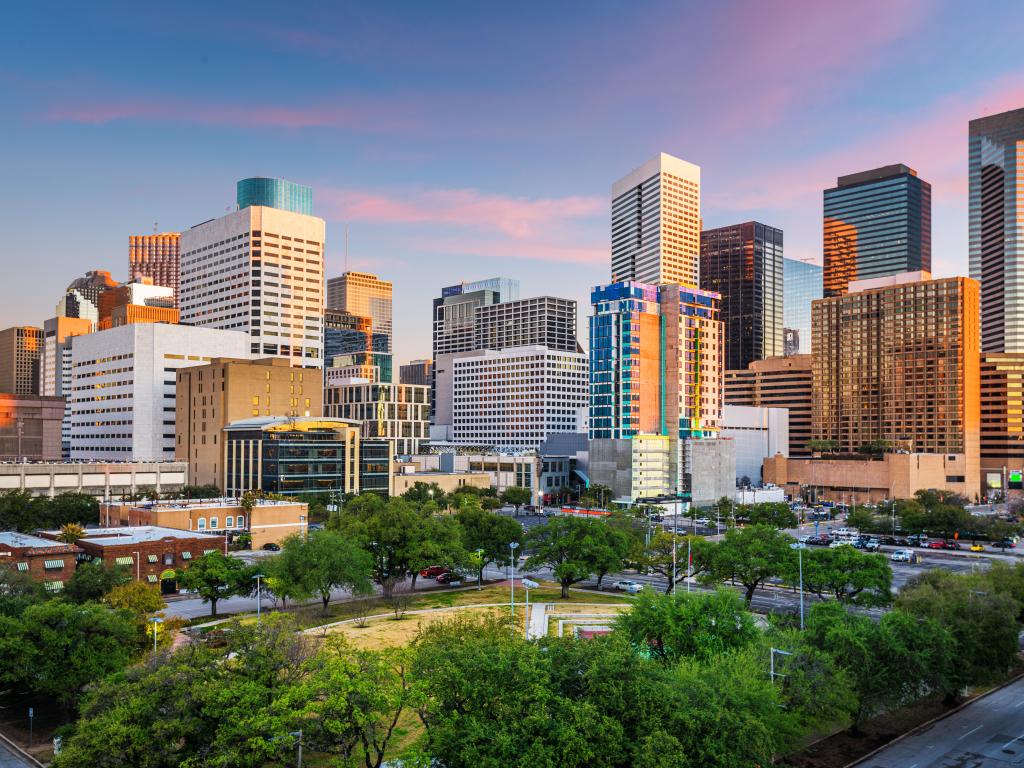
[953, 545]
[272, 547]
[839, 543]
[1006, 544]
[903, 556]
[872, 545]
[625, 585]
[448, 577]
[806, 539]
[937, 544]
[704, 522]
[977, 547]
[819, 541]
[917, 540]
[433, 571]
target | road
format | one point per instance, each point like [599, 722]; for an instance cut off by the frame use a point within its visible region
[9, 759]
[987, 733]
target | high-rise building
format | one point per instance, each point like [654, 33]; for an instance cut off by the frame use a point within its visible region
[897, 360]
[260, 271]
[544, 320]
[123, 387]
[656, 223]
[30, 427]
[139, 301]
[211, 396]
[365, 295]
[355, 339]
[655, 368]
[801, 284]
[1002, 420]
[876, 223]
[155, 257]
[20, 350]
[778, 382]
[282, 194]
[743, 263]
[398, 413]
[996, 242]
[416, 372]
[82, 297]
[55, 366]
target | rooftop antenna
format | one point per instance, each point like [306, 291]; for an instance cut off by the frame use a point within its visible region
[156, 227]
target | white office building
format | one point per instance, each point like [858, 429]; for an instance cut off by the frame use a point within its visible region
[656, 223]
[757, 434]
[514, 398]
[123, 387]
[259, 271]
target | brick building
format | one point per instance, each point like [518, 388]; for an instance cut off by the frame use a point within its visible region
[51, 562]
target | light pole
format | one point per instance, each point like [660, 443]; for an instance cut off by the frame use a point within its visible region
[800, 561]
[299, 745]
[138, 566]
[259, 596]
[528, 584]
[689, 563]
[512, 545]
[156, 620]
[771, 662]
[480, 568]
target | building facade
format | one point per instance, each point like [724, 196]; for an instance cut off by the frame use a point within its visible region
[209, 397]
[1002, 420]
[656, 223]
[757, 433]
[877, 223]
[102, 480]
[514, 398]
[82, 298]
[801, 284]
[398, 413]
[779, 382]
[995, 239]
[274, 193]
[45, 560]
[21, 348]
[897, 360]
[743, 263]
[55, 366]
[156, 257]
[30, 427]
[364, 295]
[258, 271]
[544, 320]
[354, 338]
[137, 302]
[416, 372]
[123, 386]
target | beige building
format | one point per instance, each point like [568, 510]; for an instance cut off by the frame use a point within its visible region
[30, 427]
[399, 413]
[156, 257]
[209, 397]
[269, 521]
[365, 295]
[777, 382]
[406, 477]
[20, 350]
[897, 359]
[1002, 419]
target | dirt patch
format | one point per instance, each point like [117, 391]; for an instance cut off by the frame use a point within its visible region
[389, 633]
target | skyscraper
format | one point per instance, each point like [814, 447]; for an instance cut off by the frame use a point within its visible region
[996, 170]
[743, 263]
[877, 223]
[20, 350]
[155, 257]
[82, 297]
[55, 366]
[656, 223]
[274, 193]
[365, 295]
[416, 372]
[801, 284]
[259, 270]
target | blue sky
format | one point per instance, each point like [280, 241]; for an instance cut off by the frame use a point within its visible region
[465, 140]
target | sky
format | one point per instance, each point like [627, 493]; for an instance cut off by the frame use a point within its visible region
[465, 140]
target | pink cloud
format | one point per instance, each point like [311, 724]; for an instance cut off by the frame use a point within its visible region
[515, 217]
[504, 249]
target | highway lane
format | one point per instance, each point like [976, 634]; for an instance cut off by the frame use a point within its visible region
[10, 759]
[985, 734]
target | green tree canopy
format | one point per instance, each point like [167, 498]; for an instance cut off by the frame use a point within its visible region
[326, 560]
[658, 556]
[516, 496]
[751, 556]
[92, 581]
[774, 513]
[568, 546]
[488, 533]
[848, 575]
[215, 576]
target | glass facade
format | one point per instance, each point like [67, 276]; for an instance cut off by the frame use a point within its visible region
[801, 285]
[876, 223]
[744, 264]
[375, 466]
[275, 193]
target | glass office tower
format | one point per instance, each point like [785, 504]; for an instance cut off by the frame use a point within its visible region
[877, 223]
[275, 193]
[801, 285]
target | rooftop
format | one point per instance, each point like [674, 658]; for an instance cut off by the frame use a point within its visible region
[197, 503]
[16, 540]
[134, 535]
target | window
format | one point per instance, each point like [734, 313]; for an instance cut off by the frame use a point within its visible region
[22, 566]
[241, 521]
[230, 522]
[168, 558]
[213, 523]
[209, 551]
[201, 524]
[151, 579]
[53, 586]
[129, 560]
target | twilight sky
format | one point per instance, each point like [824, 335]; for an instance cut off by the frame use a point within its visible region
[467, 140]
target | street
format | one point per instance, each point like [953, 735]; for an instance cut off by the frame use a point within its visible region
[9, 759]
[988, 732]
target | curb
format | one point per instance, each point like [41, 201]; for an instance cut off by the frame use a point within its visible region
[929, 723]
[19, 752]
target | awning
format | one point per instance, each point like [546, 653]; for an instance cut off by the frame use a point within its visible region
[53, 565]
[125, 560]
[151, 558]
[152, 579]
[22, 566]
[168, 574]
[53, 586]
[186, 555]
[209, 551]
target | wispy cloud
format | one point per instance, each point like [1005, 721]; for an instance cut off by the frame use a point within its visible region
[531, 250]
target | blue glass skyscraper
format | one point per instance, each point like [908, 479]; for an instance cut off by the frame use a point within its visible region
[801, 284]
[275, 193]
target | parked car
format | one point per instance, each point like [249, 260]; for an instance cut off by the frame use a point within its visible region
[976, 547]
[917, 540]
[806, 539]
[872, 545]
[819, 541]
[953, 544]
[433, 571]
[1006, 544]
[272, 547]
[632, 587]
[903, 556]
[840, 543]
[704, 522]
[448, 577]
[937, 544]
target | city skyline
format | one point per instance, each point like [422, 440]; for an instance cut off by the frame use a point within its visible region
[445, 171]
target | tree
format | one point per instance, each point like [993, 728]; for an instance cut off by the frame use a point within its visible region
[670, 627]
[327, 561]
[848, 575]
[70, 533]
[861, 519]
[614, 542]
[489, 534]
[875, 447]
[822, 446]
[566, 545]
[420, 493]
[597, 495]
[751, 556]
[774, 513]
[20, 511]
[136, 598]
[92, 581]
[56, 648]
[199, 492]
[658, 556]
[215, 576]
[73, 507]
[284, 572]
[18, 591]
[516, 496]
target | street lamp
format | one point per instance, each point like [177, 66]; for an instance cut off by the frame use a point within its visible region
[528, 584]
[512, 545]
[799, 547]
[259, 596]
[480, 568]
[155, 621]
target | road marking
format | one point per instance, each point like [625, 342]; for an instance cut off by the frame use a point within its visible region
[1012, 740]
[970, 732]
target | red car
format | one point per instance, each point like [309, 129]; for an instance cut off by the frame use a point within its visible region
[448, 577]
[936, 545]
[433, 571]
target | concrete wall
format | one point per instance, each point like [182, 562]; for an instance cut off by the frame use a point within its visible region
[611, 464]
[757, 433]
[711, 465]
